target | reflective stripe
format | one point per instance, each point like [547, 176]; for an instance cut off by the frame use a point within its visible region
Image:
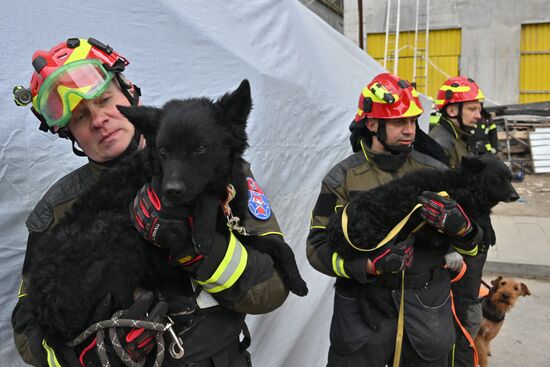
[317, 227]
[460, 88]
[51, 357]
[21, 290]
[493, 126]
[230, 269]
[338, 265]
[338, 206]
[268, 233]
[80, 52]
[472, 252]
[488, 146]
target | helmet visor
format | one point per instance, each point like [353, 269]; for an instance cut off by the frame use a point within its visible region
[65, 88]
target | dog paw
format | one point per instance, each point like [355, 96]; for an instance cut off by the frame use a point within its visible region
[298, 286]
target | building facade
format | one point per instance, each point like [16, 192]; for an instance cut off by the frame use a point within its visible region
[503, 44]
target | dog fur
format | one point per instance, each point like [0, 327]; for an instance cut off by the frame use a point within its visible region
[196, 146]
[501, 298]
[477, 185]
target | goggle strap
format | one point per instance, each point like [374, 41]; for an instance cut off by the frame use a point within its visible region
[76, 151]
[125, 87]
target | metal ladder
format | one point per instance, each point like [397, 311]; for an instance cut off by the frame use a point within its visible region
[421, 46]
[391, 45]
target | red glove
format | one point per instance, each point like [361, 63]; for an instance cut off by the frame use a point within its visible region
[169, 228]
[445, 215]
[393, 257]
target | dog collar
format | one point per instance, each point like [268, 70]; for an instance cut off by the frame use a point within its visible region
[489, 310]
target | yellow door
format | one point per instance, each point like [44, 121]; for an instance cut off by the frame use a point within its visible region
[534, 81]
[443, 54]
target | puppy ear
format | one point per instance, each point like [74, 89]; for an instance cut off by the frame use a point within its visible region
[524, 290]
[473, 165]
[496, 282]
[144, 118]
[236, 105]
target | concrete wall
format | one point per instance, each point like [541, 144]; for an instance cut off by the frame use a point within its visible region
[330, 16]
[491, 34]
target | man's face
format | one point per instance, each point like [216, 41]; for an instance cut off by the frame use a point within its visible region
[99, 128]
[471, 112]
[398, 131]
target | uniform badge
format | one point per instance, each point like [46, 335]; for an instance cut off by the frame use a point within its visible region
[257, 201]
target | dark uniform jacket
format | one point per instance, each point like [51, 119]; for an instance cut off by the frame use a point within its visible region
[452, 139]
[259, 288]
[359, 173]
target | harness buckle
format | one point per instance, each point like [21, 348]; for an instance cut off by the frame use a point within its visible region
[176, 346]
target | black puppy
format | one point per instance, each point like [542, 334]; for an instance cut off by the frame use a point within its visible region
[477, 185]
[196, 147]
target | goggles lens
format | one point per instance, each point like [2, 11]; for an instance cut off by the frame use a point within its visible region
[65, 88]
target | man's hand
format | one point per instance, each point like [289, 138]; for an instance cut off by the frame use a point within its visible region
[445, 215]
[393, 257]
[167, 228]
[136, 342]
[453, 261]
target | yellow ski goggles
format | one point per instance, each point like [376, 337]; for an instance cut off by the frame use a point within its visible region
[65, 88]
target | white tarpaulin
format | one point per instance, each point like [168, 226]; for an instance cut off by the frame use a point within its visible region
[305, 79]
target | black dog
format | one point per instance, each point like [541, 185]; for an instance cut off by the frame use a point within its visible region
[196, 146]
[477, 185]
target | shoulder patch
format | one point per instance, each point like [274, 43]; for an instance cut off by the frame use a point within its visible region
[258, 205]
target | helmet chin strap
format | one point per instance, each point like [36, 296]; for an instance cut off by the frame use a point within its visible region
[458, 116]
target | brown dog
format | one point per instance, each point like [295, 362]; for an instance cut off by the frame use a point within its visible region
[501, 298]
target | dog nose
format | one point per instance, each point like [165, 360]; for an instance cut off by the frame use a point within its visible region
[173, 189]
[505, 296]
[513, 197]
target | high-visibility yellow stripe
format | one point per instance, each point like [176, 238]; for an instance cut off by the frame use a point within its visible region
[21, 290]
[488, 146]
[338, 266]
[493, 126]
[80, 52]
[50, 355]
[338, 206]
[268, 233]
[460, 88]
[472, 252]
[367, 93]
[230, 269]
[317, 227]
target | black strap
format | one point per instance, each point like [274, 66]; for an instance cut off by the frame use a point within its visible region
[412, 281]
[245, 343]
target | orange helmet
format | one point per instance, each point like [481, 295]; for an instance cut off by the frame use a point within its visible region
[388, 97]
[458, 89]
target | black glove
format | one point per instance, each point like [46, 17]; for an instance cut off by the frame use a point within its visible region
[393, 257]
[445, 215]
[136, 342]
[168, 228]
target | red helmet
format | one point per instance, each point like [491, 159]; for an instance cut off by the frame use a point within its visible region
[63, 76]
[388, 97]
[458, 89]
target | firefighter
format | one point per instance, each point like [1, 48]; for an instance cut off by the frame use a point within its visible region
[462, 132]
[383, 137]
[74, 91]
[459, 101]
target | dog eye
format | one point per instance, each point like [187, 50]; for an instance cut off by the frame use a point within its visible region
[516, 288]
[163, 151]
[503, 283]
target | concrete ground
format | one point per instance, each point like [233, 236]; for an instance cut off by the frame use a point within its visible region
[523, 251]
